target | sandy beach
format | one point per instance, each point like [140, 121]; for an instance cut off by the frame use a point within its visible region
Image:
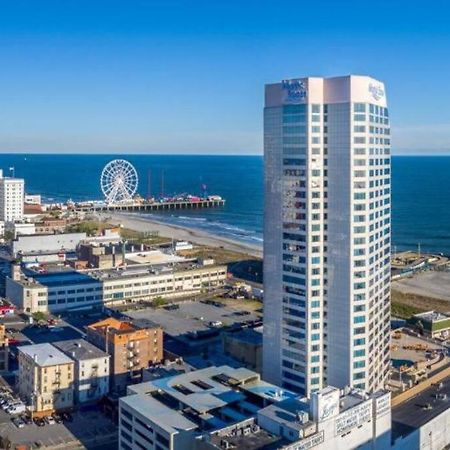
[183, 233]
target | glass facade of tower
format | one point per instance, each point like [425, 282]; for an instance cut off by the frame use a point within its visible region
[327, 244]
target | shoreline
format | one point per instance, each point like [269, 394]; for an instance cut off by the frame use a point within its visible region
[183, 233]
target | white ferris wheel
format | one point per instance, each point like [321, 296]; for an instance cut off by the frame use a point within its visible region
[119, 181]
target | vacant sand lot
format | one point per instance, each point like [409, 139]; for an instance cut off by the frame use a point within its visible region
[428, 284]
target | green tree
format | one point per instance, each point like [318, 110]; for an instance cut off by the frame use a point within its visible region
[159, 301]
[39, 316]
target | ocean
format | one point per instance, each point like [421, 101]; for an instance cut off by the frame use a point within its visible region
[420, 191]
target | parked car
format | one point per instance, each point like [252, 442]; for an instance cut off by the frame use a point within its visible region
[67, 417]
[27, 419]
[57, 417]
[17, 408]
[18, 422]
[39, 421]
[9, 404]
[4, 401]
[49, 420]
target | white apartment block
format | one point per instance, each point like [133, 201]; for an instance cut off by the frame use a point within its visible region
[91, 378]
[64, 290]
[327, 233]
[46, 376]
[11, 198]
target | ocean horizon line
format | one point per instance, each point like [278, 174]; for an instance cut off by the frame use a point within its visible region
[261, 155]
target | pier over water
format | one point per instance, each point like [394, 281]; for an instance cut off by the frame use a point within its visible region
[151, 206]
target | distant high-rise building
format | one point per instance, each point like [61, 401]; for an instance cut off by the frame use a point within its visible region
[11, 198]
[326, 233]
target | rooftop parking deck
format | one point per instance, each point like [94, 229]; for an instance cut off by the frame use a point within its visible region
[413, 413]
[190, 317]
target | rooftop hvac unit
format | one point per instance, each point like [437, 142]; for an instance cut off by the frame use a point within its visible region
[302, 417]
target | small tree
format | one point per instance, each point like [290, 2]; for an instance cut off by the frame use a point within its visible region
[159, 301]
[39, 316]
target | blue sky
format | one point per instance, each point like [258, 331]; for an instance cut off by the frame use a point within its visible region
[188, 76]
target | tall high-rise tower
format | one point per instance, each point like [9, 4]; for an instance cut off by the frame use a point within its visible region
[326, 233]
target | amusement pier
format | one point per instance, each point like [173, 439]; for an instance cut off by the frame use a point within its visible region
[189, 202]
[119, 182]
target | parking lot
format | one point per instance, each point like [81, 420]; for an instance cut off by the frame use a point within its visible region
[90, 428]
[61, 332]
[193, 316]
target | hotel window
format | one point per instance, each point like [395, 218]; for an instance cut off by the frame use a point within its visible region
[162, 440]
[125, 435]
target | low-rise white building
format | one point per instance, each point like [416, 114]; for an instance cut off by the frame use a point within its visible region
[46, 244]
[91, 380]
[70, 289]
[331, 419]
[33, 199]
[21, 228]
[223, 407]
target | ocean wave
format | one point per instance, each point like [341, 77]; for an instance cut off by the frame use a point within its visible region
[215, 227]
[228, 227]
[195, 219]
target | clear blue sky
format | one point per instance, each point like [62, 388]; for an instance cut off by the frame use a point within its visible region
[187, 76]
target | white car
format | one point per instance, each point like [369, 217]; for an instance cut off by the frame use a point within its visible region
[9, 403]
[50, 420]
[17, 408]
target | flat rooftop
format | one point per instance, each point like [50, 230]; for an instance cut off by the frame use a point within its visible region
[432, 316]
[209, 397]
[412, 414]
[154, 257]
[168, 419]
[285, 413]
[202, 390]
[249, 335]
[80, 349]
[261, 440]
[45, 355]
[139, 270]
[116, 326]
[191, 317]
[64, 278]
